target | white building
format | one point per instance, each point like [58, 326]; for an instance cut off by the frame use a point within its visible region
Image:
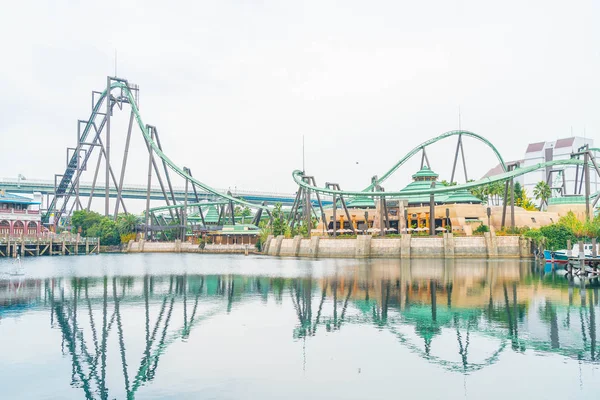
[560, 149]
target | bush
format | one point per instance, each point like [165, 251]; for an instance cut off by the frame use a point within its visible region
[556, 236]
[280, 226]
[536, 236]
[481, 229]
[107, 231]
[202, 243]
[127, 237]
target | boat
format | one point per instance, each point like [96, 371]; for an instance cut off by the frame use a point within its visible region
[562, 256]
[556, 257]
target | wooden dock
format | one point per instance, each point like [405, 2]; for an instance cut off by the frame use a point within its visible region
[48, 246]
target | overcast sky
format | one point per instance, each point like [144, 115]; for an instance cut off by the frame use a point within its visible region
[233, 85]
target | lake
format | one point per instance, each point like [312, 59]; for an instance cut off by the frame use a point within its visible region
[189, 326]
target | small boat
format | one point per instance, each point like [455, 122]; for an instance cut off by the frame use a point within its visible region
[556, 257]
[562, 256]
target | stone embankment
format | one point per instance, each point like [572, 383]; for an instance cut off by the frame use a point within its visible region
[405, 247]
[178, 246]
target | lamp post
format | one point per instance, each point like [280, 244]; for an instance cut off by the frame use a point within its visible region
[19, 178]
[489, 214]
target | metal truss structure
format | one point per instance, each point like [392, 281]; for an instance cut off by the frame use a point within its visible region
[94, 137]
[584, 159]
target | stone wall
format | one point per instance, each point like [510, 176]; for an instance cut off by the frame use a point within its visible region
[178, 247]
[445, 246]
[472, 246]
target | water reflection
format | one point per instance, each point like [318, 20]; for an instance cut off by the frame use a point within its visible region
[439, 311]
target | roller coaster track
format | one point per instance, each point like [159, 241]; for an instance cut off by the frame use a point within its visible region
[189, 205]
[429, 142]
[297, 175]
[127, 95]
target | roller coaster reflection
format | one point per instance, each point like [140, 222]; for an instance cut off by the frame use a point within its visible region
[488, 303]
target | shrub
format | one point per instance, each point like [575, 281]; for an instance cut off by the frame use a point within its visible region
[127, 237]
[556, 236]
[481, 229]
[107, 231]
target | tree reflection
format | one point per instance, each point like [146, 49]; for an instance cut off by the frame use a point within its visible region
[416, 306]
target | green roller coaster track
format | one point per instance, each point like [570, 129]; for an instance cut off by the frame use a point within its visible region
[166, 159]
[189, 205]
[297, 175]
[430, 142]
[179, 171]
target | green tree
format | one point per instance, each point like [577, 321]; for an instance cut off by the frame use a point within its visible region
[243, 212]
[496, 191]
[542, 192]
[520, 194]
[85, 220]
[280, 226]
[479, 192]
[556, 236]
[446, 183]
[572, 223]
[107, 231]
[521, 199]
[126, 223]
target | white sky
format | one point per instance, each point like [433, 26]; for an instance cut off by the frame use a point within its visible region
[233, 85]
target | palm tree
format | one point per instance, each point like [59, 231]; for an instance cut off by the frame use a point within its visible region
[542, 192]
[127, 223]
[446, 183]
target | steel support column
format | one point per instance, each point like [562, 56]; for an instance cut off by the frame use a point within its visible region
[455, 158]
[432, 212]
[107, 153]
[124, 165]
[150, 162]
[184, 212]
[166, 170]
[94, 181]
[586, 169]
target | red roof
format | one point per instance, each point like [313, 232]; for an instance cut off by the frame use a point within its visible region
[534, 147]
[498, 168]
[568, 142]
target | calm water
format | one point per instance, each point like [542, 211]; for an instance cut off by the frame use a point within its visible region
[234, 327]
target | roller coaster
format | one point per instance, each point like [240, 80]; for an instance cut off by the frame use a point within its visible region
[511, 171]
[120, 92]
[94, 136]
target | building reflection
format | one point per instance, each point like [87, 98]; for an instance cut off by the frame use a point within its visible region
[494, 306]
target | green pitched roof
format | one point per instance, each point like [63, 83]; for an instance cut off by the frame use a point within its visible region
[566, 200]
[462, 196]
[422, 181]
[425, 172]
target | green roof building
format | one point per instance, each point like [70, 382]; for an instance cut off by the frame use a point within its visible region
[422, 180]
